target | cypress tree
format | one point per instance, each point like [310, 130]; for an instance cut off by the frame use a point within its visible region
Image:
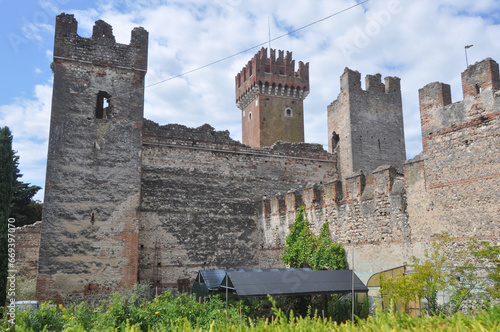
[6, 194]
[23, 208]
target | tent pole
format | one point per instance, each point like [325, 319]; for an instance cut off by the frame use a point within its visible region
[352, 280]
[227, 305]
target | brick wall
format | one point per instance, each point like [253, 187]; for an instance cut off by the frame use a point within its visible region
[27, 245]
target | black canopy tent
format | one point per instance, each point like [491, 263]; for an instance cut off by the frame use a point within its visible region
[209, 281]
[292, 282]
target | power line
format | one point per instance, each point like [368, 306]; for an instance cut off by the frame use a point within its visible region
[256, 46]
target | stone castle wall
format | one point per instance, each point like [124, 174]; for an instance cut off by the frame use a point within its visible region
[199, 189]
[454, 184]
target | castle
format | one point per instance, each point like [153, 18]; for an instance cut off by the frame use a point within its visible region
[128, 200]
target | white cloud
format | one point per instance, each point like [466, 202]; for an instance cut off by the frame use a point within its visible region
[28, 120]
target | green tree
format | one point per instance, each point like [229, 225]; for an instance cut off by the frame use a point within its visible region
[459, 273]
[328, 254]
[23, 208]
[488, 255]
[319, 252]
[6, 194]
[300, 242]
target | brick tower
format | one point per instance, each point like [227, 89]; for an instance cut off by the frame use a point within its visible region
[365, 127]
[270, 95]
[89, 241]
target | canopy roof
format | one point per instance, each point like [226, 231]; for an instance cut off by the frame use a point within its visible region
[291, 282]
[213, 278]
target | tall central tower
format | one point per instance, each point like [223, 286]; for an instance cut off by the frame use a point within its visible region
[270, 94]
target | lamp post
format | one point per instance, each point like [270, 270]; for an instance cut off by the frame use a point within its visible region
[352, 279]
[467, 60]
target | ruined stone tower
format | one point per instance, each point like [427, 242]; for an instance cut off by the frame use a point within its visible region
[89, 241]
[365, 127]
[270, 95]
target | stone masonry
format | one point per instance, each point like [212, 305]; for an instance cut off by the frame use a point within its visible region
[130, 200]
[90, 233]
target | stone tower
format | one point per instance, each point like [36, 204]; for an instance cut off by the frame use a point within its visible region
[89, 242]
[270, 95]
[365, 127]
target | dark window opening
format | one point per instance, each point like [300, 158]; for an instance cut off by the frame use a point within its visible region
[478, 89]
[102, 108]
[335, 140]
[288, 112]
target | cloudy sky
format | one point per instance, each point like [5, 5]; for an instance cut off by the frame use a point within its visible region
[419, 41]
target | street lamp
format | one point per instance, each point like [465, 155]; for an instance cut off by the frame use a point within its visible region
[466, 60]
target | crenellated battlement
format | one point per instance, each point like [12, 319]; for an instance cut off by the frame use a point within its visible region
[273, 76]
[101, 48]
[350, 81]
[369, 208]
[438, 114]
[479, 77]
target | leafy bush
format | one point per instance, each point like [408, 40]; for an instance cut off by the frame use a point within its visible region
[25, 288]
[184, 314]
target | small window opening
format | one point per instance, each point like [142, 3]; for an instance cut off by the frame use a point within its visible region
[335, 140]
[288, 112]
[249, 115]
[478, 89]
[102, 108]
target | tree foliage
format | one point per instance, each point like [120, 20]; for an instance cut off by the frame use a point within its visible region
[319, 252]
[23, 208]
[6, 192]
[460, 273]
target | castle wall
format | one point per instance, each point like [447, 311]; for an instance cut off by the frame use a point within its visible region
[199, 189]
[454, 185]
[27, 244]
[89, 236]
[369, 221]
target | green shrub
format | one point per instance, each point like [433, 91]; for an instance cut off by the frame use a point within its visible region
[25, 288]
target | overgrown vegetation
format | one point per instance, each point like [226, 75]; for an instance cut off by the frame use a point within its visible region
[470, 276]
[184, 313]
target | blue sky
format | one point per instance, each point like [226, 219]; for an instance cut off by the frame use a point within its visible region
[419, 41]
